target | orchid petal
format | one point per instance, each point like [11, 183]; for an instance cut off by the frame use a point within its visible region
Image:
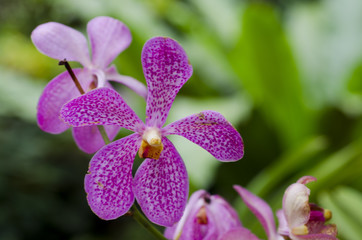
[58, 91]
[89, 139]
[222, 217]
[283, 228]
[102, 106]
[108, 38]
[130, 82]
[306, 179]
[61, 42]
[193, 205]
[296, 205]
[260, 209]
[239, 233]
[161, 186]
[108, 182]
[211, 131]
[166, 69]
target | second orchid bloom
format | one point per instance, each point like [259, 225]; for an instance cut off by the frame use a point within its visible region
[160, 184]
[210, 217]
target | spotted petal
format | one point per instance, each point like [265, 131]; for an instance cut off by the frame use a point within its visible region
[166, 69]
[109, 179]
[90, 140]
[161, 186]
[101, 106]
[260, 209]
[108, 38]
[58, 91]
[211, 131]
[61, 42]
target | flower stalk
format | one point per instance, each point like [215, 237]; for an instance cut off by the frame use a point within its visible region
[145, 223]
[71, 73]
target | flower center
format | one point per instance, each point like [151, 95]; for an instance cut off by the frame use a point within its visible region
[151, 146]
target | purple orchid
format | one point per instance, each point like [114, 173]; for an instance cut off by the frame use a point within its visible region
[206, 217]
[160, 184]
[262, 211]
[108, 37]
[298, 219]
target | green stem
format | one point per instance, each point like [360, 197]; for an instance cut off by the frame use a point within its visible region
[102, 131]
[145, 223]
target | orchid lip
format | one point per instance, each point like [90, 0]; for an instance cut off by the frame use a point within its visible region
[152, 136]
[151, 146]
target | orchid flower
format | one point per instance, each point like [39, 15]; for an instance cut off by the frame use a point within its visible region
[206, 217]
[108, 37]
[261, 210]
[160, 184]
[300, 219]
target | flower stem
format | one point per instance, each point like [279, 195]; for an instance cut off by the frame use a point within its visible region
[145, 223]
[71, 73]
[102, 131]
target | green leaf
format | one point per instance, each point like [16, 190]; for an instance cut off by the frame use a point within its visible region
[267, 70]
[346, 222]
[355, 81]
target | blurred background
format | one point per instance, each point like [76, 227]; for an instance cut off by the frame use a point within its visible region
[286, 74]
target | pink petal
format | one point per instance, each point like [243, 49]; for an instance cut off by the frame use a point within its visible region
[283, 228]
[108, 182]
[130, 82]
[59, 91]
[239, 233]
[166, 69]
[306, 179]
[296, 205]
[89, 140]
[108, 38]
[211, 131]
[102, 106]
[260, 209]
[192, 207]
[161, 186]
[221, 216]
[61, 42]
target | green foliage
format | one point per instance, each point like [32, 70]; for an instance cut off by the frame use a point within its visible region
[287, 76]
[264, 62]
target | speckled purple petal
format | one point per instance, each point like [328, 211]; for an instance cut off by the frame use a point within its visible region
[211, 131]
[240, 233]
[102, 106]
[61, 42]
[108, 182]
[260, 209]
[58, 91]
[108, 37]
[135, 85]
[161, 186]
[89, 140]
[166, 69]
